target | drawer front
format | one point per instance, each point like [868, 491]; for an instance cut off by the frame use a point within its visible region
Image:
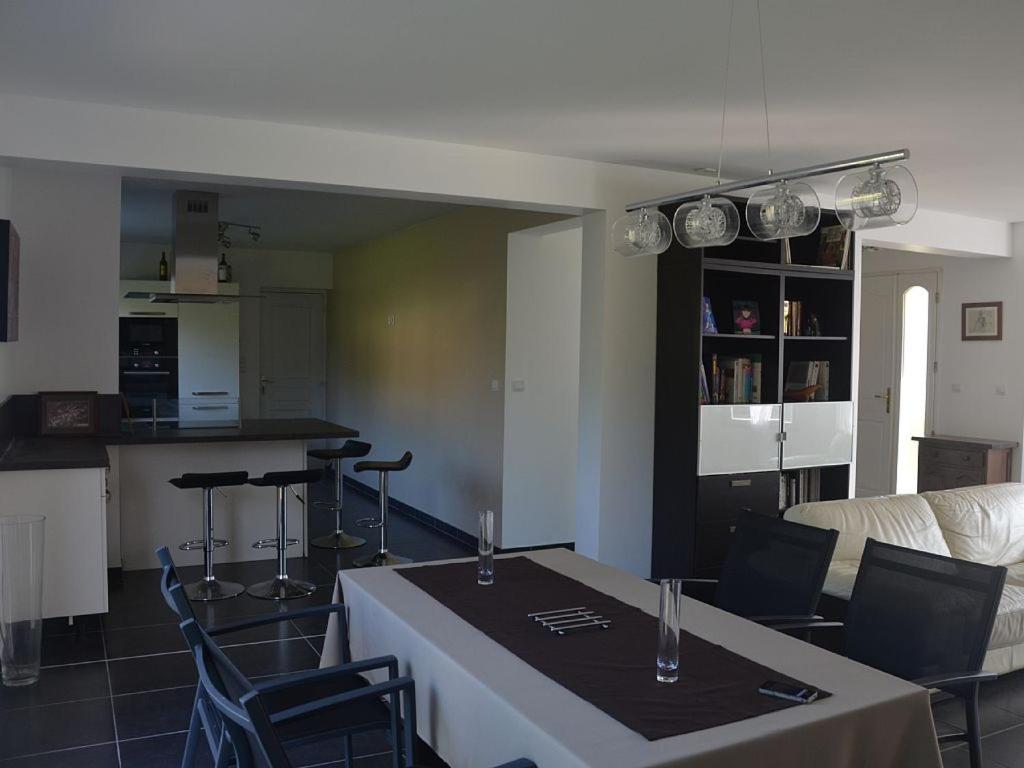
[726, 497]
[208, 409]
[939, 478]
[951, 457]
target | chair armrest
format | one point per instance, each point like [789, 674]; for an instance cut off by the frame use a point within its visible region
[788, 626]
[770, 620]
[399, 684]
[272, 618]
[955, 678]
[699, 581]
[520, 763]
[319, 675]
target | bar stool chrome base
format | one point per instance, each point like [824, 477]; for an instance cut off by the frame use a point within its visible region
[337, 540]
[281, 589]
[380, 559]
[208, 590]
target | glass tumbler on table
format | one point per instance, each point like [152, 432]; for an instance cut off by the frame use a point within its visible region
[485, 549]
[668, 630]
[21, 598]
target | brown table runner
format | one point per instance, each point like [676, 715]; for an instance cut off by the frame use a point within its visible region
[613, 669]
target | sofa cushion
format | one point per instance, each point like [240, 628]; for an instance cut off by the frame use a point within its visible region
[906, 521]
[984, 523]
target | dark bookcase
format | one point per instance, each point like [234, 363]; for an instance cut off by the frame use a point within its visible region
[714, 462]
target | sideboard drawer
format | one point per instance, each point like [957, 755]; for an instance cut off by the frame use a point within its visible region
[939, 478]
[726, 497]
[953, 458]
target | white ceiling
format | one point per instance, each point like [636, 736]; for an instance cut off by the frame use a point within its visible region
[626, 81]
[289, 219]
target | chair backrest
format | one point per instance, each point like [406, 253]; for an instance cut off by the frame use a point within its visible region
[774, 567]
[171, 587]
[916, 614]
[248, 726]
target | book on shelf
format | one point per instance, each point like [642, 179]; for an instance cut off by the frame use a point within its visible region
[734, 380]
[799, 487]
[806, 380]
[834, 247]
[792, 317]
[705, 394]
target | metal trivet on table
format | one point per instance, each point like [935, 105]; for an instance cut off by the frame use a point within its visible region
[565, 620]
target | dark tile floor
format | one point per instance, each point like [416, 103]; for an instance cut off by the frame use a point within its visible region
[116, 691]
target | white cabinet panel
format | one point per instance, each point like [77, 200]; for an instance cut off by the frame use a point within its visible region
[208, 409]
[817, 434]
[208, 351]
[74, 538]
[739, 438]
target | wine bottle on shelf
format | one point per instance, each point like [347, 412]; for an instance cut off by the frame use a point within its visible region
[163, 265]
[222, 270]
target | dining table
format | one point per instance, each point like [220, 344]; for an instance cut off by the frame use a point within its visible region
[492, 685]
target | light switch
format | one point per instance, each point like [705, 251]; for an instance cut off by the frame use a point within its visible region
[495, 385]
[391, 321]
[1001, 389]
[518, 385]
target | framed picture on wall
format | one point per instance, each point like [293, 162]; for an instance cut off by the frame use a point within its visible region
[981, 321]
[68, 413]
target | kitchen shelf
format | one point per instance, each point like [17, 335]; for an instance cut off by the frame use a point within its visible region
[747, 336]
[816, 338]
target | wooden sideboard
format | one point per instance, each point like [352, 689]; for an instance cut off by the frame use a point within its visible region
[945, 461]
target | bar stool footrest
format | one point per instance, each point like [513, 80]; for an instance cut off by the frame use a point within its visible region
[370, 522]
[330, 506]
[192, 544]
[272, 543]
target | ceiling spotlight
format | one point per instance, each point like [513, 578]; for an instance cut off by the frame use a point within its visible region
[707, 222]
[643, 232]
[877, 197]
[788, 209]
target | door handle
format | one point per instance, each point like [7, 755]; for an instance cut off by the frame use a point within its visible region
[888, 399]
[210, 394]
[263, 384]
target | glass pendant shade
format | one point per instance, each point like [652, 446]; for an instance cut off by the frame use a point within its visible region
[644, 232]
[707, 222]
[876, 197]
[788, 209]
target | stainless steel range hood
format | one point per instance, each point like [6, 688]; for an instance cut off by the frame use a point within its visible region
[194, 271]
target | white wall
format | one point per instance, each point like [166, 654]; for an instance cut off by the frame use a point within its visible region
[69, 223]
[542, 366]
[254, 270]
[976, 368]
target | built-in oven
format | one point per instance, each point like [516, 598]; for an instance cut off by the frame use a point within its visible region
[148, 366]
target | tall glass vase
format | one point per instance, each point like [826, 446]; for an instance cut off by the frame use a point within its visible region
[485, 549]
[668, 630]
[21, 598]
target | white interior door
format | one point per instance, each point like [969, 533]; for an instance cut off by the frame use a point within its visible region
[876, 418]
[292, 355]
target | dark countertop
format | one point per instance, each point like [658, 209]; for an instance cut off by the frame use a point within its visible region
[90, 452]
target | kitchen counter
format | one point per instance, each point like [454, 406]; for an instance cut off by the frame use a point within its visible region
[27, 453]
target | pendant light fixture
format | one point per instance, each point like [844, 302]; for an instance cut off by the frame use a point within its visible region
[877, 197]
[642, 232]
[781, 206]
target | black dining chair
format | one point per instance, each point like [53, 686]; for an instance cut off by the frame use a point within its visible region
[253, 725]
[927, 619]
[774, 570]
[363, 712]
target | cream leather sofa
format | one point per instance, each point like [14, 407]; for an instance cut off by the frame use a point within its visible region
[983, 523]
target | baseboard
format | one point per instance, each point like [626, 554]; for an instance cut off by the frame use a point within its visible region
[429, 521]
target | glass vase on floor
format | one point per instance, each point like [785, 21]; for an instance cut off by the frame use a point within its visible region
[485, 549]
[21, 598]
[668, 630]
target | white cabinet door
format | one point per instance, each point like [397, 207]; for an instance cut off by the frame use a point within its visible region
[739, 438]
[142, 307]
[817, 434]
[208, 351]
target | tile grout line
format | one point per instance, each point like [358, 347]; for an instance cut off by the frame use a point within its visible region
[113, 710]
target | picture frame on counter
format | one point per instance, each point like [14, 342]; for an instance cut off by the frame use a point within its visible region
[68, 413]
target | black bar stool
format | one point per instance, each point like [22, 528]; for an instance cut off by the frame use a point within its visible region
[382, 556]
[282, 587]
[209, 588]
[352, 449]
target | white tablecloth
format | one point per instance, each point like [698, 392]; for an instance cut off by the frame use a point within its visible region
[478, 705]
